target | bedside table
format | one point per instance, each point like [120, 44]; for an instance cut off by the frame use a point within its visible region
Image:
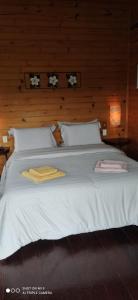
[119, 143]
[4, 151]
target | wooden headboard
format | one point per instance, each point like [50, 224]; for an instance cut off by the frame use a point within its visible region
[29, 111]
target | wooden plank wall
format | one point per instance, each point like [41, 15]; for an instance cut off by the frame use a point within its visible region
[133, 91]
[86, 36]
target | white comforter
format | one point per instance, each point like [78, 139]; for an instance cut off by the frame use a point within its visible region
[82, 201]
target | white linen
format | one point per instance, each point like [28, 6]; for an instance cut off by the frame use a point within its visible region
[81, 134]
[32, 138]
[82, 201]
[60, 123]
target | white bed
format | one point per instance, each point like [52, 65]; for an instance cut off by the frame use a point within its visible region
[82, 201]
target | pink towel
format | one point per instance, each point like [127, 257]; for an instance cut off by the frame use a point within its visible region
[112, 164]
[119, 167]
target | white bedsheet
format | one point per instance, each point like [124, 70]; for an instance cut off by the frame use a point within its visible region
[82, 201]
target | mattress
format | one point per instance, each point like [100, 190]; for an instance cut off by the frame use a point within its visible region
[81, 201]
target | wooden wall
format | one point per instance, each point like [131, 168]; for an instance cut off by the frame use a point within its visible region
[133, 91]
[86, 36]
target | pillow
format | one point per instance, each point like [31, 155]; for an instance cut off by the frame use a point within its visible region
[52, 127]
[60, 123]
[32, 138]
[82, 134]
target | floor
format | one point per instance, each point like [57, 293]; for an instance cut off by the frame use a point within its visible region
[97, 266]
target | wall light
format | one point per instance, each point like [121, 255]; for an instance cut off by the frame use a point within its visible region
[115, 115]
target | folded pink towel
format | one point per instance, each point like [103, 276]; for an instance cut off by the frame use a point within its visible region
[120, 167]
[112, 164]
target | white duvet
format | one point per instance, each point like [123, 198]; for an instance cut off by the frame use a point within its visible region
[82, 201]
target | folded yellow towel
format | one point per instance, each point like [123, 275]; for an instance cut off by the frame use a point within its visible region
[38, 179]
[42, 171]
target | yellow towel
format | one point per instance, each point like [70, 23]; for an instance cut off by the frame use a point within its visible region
[38, 179]
[42, 171]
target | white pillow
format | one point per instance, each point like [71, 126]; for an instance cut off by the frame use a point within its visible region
[32, 138]
[82, 134]
[60, 123]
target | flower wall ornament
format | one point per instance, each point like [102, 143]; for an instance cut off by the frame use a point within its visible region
[53, 80]
[72, 79]
[34, 80]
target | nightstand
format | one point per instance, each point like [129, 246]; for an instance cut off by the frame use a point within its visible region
[124, 144]
[4, 151]
[120, 143]
[132, 150]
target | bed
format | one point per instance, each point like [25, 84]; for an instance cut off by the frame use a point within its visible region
[81, 201]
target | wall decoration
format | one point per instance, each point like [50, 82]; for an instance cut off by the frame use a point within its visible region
[49, 80]
[53, 80]
[34, 80]
[72, 79]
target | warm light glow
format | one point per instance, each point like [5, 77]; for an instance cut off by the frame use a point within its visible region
[115, 115]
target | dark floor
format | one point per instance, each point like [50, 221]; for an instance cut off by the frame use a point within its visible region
[97, 266]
